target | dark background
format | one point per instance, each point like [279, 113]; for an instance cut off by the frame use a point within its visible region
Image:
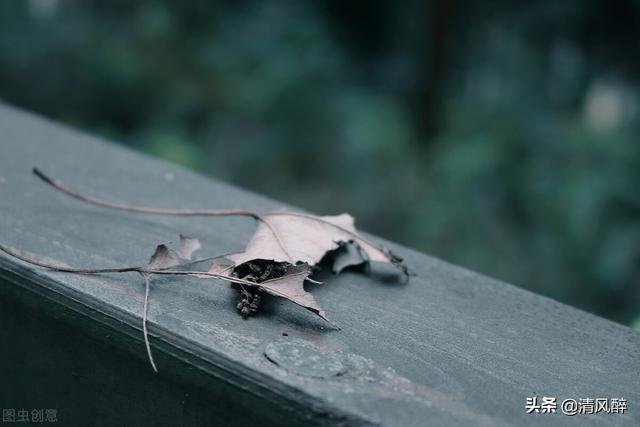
[501, 135]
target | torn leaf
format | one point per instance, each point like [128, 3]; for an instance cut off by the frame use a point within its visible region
[348, 254]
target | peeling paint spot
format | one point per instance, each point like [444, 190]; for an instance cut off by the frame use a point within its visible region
[305, 359]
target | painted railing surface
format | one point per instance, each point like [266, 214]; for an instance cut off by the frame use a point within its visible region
[447, 347]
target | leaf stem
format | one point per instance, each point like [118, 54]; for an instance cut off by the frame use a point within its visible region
[131, 269]
[145, 311]
[58, 185]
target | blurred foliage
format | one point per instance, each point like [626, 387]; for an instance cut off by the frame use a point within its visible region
[499, 136]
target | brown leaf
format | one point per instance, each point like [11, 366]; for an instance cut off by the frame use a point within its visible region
[162, 258]
[291, 287]
[295, 237]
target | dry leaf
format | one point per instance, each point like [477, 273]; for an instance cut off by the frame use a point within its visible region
[277, 258]
[293, 237]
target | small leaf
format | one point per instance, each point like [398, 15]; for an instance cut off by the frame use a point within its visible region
[162, 258]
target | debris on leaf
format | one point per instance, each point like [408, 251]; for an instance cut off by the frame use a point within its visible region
[259, 270]
[249, 302]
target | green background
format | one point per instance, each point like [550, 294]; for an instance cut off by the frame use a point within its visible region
[502, 136]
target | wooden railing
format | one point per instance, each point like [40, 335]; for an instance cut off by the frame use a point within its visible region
[446, 347]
